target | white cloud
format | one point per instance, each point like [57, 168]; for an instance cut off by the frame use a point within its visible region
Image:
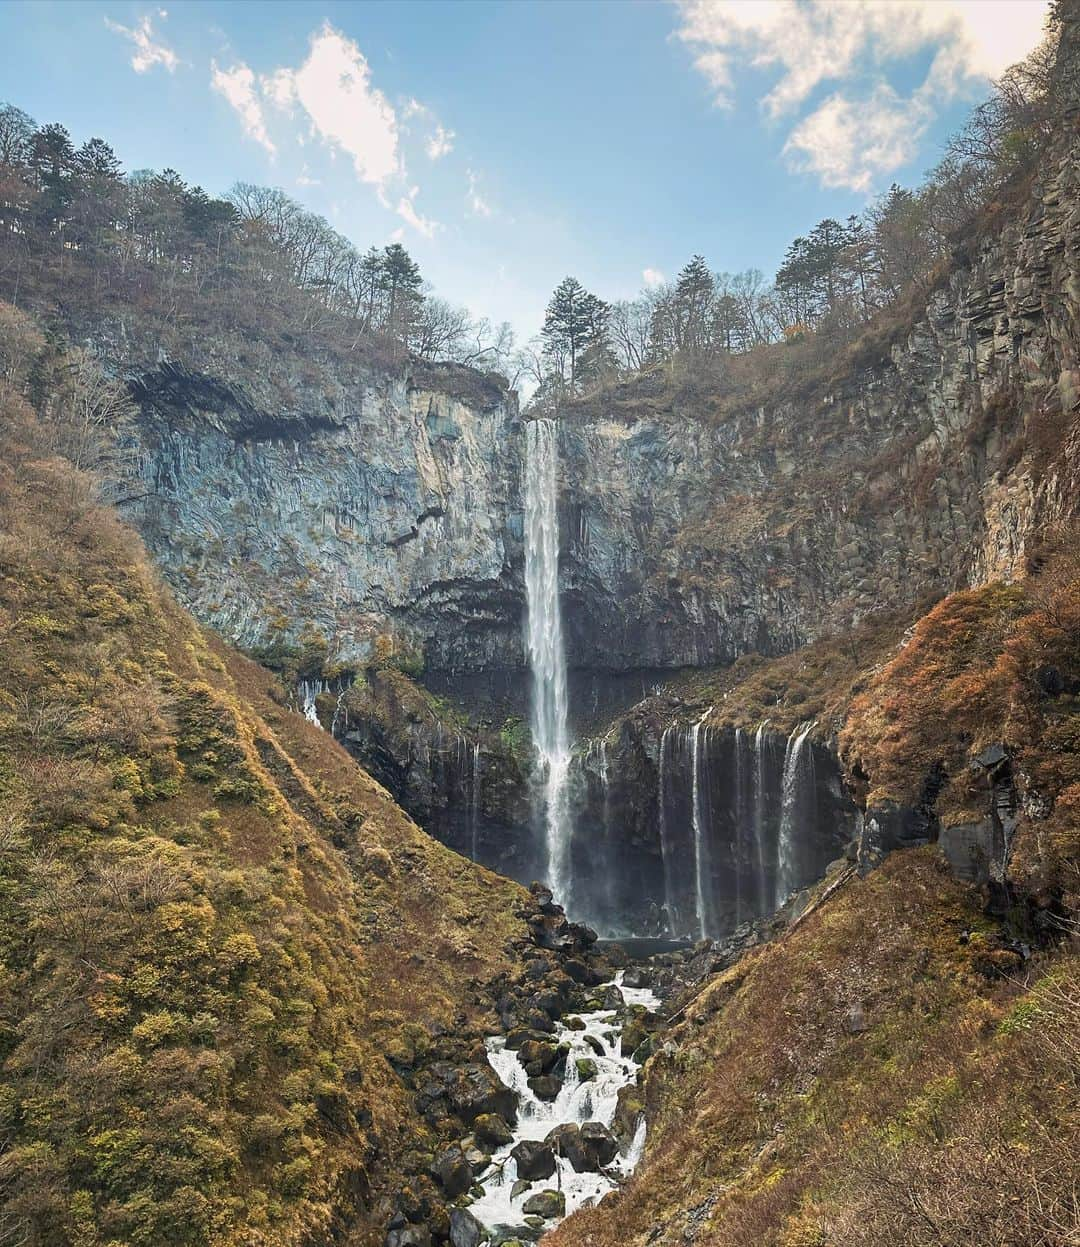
[237, 85]
[148, 51]
[478, 205]
[346, 111]
[406, 209]
[855, 136]
[439, 143]
[652, 277]
[849, 142]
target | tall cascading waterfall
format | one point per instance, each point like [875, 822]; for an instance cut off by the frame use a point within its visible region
[787, 868]
[761, 778]
[547, 658]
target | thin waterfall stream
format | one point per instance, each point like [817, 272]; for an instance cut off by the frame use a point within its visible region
[544, 638]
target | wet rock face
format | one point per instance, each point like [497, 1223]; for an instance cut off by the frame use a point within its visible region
[365, 504]
[766, 820]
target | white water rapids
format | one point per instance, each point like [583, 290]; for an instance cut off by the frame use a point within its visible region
[544, 638]
[595, 1099]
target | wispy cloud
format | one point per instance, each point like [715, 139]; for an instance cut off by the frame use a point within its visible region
[406, 209]
[149, 50]
[237, 85]
[439, 143]
[478, 205]
[652, 277]
[856, 135]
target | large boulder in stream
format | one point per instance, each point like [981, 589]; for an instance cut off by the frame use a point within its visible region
[545, 1087]
[534, 1159]
[588, 1148]
[546, 1204]
[476, 1089]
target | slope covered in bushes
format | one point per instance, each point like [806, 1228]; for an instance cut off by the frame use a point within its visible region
[216, 932]
[887, 1072]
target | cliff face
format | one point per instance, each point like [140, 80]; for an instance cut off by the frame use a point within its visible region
[360, 504]
[695, 531]
[367, 501]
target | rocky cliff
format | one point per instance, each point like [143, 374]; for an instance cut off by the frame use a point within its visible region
[924, 459]
[356, 503]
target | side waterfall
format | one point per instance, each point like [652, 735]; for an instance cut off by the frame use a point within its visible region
[760, 781]
[786, 866]
[665, 846]
[697, 765]
[544, 638]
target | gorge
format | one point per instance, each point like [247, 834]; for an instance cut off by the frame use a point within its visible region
[637, 810]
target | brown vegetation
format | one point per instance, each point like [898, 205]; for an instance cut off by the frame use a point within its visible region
[214, 928]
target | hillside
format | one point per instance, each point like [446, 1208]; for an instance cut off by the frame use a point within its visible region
[215, 927]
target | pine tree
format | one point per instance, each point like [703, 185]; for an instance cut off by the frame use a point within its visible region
[401, 282]
[568, 326]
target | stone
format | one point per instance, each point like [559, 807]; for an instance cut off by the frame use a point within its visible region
[586, 1068]
[453, 1172]
[546, 1204]
[409, 1236]
[546, 1087]
[492, 1131]
[599, 1142]
[588, 1148]
[534, 1159]
[637, 977]
[465, 1230]
[519, 1187]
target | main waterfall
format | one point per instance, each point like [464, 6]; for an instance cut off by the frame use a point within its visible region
[547, 658]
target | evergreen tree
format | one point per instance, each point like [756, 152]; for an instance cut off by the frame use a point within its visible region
[401, 282]
[569, 325]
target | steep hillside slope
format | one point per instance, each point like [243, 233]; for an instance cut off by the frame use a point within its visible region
[217, 933]
[888, 1072]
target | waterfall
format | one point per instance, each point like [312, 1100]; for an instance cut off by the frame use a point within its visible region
[474, 803]
[698, 821]
[547, 658]
[760, 789]
[309, 690]
[740, 824]
[786, 867]
[665, 848]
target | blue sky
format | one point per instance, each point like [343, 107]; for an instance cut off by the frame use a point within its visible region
[508, 144]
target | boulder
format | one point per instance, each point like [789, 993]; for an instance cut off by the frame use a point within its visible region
[534, 1159]
[599, 1143]
[476, 1089]
[588, 1148]
[465, 1230]
[453, 1172]
[546, 1204]
[409, 1236]
[586, 1068]
[519, 1188]
[637, 977]
[543, 1053]
[546, 1087]
[491, 1131]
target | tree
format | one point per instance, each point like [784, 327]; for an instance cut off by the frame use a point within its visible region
[401, 282]
[572, 320]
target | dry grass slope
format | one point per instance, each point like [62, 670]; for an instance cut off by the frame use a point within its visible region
[214, 928]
